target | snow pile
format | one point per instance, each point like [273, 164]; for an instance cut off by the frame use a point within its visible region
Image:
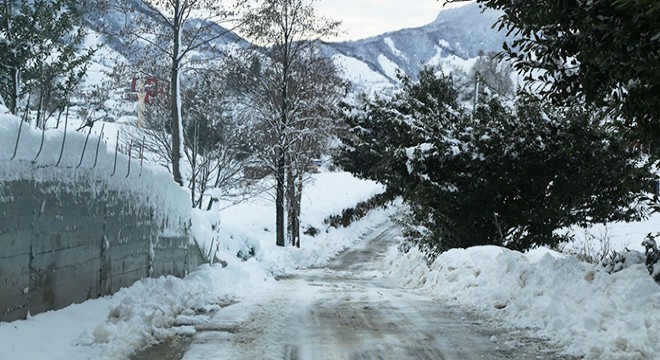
[585, 310]
[114, 327]
[148, 185]
[168, 306]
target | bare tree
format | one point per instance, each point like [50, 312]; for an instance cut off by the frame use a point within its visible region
[173, 30]
[285, 94]
[217, 145]
[494, 74]
[216, 141]
[319, 90]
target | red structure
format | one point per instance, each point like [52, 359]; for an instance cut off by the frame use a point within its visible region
[151, 88]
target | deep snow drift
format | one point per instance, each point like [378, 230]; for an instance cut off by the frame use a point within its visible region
[72, 156]
[575, 304]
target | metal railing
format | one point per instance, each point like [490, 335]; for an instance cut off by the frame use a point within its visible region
[130, 149]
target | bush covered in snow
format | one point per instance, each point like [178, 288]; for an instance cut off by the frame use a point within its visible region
[505, 175]
[652, 256]
[618, 261]
[353, 214]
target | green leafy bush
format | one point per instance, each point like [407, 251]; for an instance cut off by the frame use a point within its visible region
[505, 175]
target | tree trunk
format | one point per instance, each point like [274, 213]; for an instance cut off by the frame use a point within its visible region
[291, 196]
[40, 106]
[177, 121]
[280, 198]
[282, 161]
[294, 187]
[476, 93]
[15, 87]
[203, 181]
[193, 169]
[298, 201]
[59, 116]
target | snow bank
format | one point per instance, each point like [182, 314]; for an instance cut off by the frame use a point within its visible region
[148, 185]
[587, 311]
[114, 327]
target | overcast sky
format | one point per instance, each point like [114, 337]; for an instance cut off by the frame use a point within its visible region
[365, 18]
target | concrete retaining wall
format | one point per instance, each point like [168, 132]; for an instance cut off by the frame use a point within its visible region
[63, 244]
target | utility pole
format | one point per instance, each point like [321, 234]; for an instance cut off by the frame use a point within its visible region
[476, 93]
[141, 97]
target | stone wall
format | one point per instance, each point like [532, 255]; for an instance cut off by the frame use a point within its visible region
[64, 243]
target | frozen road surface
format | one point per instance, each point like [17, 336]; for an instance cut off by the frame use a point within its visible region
[349, 310]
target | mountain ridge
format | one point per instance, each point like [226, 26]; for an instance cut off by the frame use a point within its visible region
[462, 32]
[457, 34]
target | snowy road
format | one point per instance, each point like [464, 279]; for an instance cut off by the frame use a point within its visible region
[349, 310]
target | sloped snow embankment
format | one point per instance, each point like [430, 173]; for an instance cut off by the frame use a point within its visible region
[79, 163]
[588, 312]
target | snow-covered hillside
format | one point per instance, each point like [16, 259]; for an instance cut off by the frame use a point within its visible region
[456, 35]
[110, 21]
[451, 41]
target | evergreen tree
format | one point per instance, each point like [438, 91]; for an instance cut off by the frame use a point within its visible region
[603, 51]
[39, 44]
[507, 177]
